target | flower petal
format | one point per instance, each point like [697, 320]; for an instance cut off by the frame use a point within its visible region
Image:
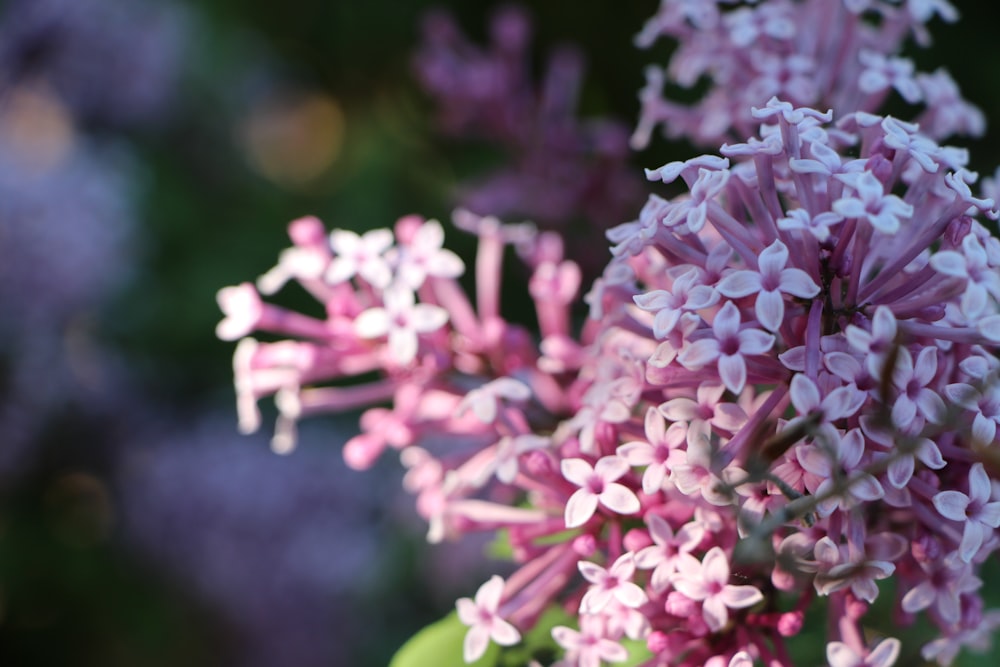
[580, 507]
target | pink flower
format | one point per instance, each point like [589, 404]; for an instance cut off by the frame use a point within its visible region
[727, 347]
[659, 453]
[769, 282]
[484, 622]
[662, 555]
[974, 511]
[597, 485]
[360, 256]
[612, 583]
[402, 320]
[708, 582]
[423, 256]
[589, 646]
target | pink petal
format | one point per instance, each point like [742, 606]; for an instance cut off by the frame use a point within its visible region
[652, 479]
[754, 341]
[866, 487]
[770, 309]
[577, 471]
[715, 613]
[798, 283]
[804, 394]
[403, 345]
[950, 263]
[727, 321]
[691, 587]
[372, 323]
[580, 507]
[620, 499]
[592, 572]
[740, 597]
[699, 354]
[739, 284]
[951, 505]
[477, 639]
[425, 317]
[636, 453]
[610, 468]
[885, 654]
[679, 409]
[715, 566]
[488, 595]
[984, 430]
[900, 471]
[468, 612]
[919, 598]
[839, 654]
[773, 259]
[733, 372]
[929, 454]
[504, 633]
[630, 595]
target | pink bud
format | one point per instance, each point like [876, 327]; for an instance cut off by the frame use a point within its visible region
[636, 539]
[678, 604]
[790, 624]
[585, 545]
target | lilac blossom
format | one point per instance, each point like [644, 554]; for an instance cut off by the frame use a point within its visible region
[483, 620]
[752, 51]
[765, 364]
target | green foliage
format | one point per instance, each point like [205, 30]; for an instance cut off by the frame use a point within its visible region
[440, 644]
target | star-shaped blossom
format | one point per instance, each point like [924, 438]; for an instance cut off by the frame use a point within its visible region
[485, 401]
[484, 622]
[614, 582]
[424, 256]
[662, 555]
[659, 453]
[835, 462]
[971, 265]
[708, 582]
[983, 403]
[772, 279]
[589, 646]
[977, 514]
[817, 225]
[597, 486]
[687, 294]
[841, 566]
[727, 348]
[402, 320]
[911, 379]
[870, 202]
[881, 73]
[362, 256]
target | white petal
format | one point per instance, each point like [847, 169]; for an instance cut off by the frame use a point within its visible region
[739, 284]
[770, 309]
[733, 372]
[372, 323]
[580, 507]
[620, 499]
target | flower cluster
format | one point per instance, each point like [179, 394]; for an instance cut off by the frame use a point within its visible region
[839, 55]
[787, 387]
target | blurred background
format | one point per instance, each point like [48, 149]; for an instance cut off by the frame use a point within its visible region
[153, 151]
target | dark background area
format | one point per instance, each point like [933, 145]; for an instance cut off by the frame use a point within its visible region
[151, 152]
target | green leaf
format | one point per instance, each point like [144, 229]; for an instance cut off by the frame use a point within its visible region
[637, 653]
[440, 644]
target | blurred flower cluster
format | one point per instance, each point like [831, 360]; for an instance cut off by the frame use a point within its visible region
[786, 390]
